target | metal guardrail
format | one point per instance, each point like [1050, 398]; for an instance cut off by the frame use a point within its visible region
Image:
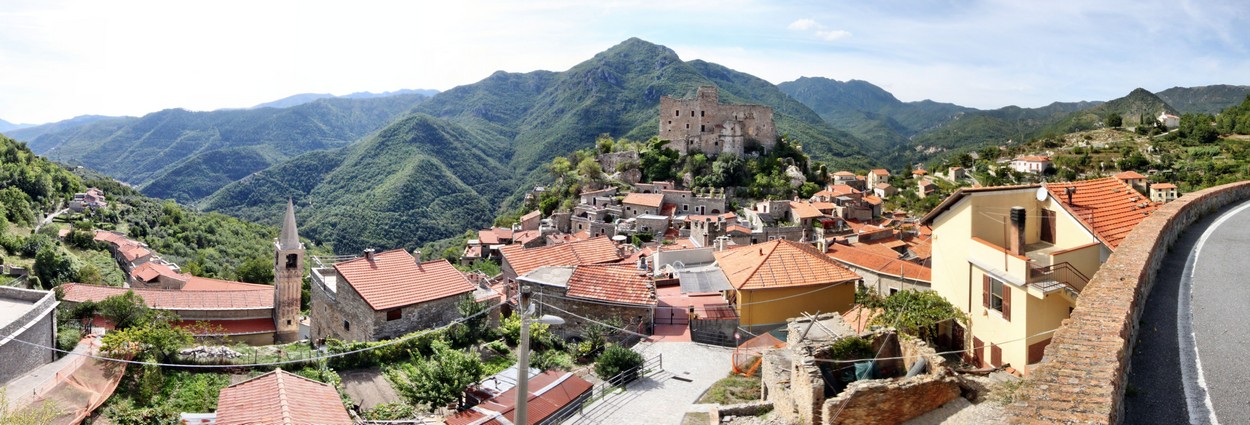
[1062, 273]
[611, 385]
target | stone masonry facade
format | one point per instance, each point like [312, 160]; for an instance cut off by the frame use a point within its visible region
[37, 326]
[703, 124]
[1084, 377]
[344, 315]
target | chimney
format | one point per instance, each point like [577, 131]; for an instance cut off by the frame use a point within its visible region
[417, 255]
[1016, 238]
[369, 254]
[1069, 191]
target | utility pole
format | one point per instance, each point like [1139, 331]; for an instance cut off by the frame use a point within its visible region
[523, 359]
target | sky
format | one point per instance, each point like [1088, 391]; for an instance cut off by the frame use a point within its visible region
[64, 58]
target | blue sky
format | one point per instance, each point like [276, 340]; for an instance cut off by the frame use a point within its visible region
[64, 58]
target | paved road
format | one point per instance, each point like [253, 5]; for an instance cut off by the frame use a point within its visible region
[49, 218]
[1193, 349]
[663, 398]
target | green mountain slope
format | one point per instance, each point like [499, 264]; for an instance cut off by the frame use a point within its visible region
[469, 152]
[1138, 103]
[186, 155]
[869, 112]
[1205, 99]
[420, 179]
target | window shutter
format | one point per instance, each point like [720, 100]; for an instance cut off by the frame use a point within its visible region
[985, 290]
[1007, 303]
[996, 355]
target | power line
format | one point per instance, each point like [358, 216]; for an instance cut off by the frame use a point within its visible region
[278, 363]
[593, 320]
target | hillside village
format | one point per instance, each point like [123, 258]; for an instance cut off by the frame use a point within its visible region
[616, 281]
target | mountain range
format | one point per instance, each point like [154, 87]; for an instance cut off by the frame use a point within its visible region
[302, 98]
[403, 170]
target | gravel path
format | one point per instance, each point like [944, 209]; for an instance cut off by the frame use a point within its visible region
[664, 397]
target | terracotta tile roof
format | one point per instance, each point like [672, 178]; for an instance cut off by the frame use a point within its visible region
[737, 228]
[844, 173]
[883, 186]
[824, 206]
[884, 262]
[919, 172]
[280, 397]
[1033, 158]
[860, 318]
[873, 200]
[526, 236]
[842, 190]
[230, 327]
[172, 299]
[1163, 186]
[151, 270]
[780, 264]
[532, 215]
[804, 210]
[1129, 175]
[590, 251]
[880, 172]
[394, 279]
[644, 199]
[618, 283]
[109, 237]
[1108, 207]
[133, 252]
[196, 283]
[488, 237]
[549, 392]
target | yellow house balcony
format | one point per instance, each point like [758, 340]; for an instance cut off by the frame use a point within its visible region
[1043, 270]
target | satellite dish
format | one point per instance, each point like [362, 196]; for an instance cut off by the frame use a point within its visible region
[1041, 193]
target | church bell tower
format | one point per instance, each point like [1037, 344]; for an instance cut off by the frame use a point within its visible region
[288, 279]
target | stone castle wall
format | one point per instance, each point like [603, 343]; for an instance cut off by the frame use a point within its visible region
[704, 125]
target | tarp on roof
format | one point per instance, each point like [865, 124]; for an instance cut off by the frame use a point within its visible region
[703, 280]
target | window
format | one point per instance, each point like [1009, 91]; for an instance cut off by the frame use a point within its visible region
[394, 314]
[702, 128]
[1048, 226]
[288, 322]
[701, 114]
[347, 326]
[687, 126]
[692, 113]
[685, 207]
[292, 261]
[676, 113]
[893, 291]
[996, 295]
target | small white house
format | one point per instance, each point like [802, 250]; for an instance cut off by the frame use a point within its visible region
[1035, 164]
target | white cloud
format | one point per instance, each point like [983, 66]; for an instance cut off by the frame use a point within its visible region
[803, 25]
[833, 35]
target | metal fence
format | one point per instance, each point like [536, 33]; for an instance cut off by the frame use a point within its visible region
[619, 382]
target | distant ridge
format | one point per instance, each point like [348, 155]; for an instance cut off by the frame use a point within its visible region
[300, 99]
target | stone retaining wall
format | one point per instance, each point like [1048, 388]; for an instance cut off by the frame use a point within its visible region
[1083, 379]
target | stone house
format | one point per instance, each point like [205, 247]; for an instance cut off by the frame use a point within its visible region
[685, 202]
[518, 260]
[1134, 179]
[91, 199]
[531, 221]
[881, 272]
[385, 295]
[599, 198]
[636, 204]
[601, 292]
[884, 190]
[1163, 192]
[703, 124]
[654, 187]
[30, 316]
[1016, 284]
[925, 187]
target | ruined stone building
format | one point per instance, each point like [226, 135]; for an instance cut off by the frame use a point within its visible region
[703, 124]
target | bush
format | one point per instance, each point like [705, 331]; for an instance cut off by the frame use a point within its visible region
[67, 337]
[389, 412]
[552, 360]
[851, 348]
[617, 360]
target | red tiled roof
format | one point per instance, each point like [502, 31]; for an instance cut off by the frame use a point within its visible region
[860, 318]
[532, 215]
[644, 199]
[844, 173]
[230, 327]
[488, 237]
[804, 210]
[280, 397]
[1163, 186]
[872, 200]
[881, 262]
[824, 206]
[779, 264]
[1108, 207]
[172, 299]
[196, 283]
[549, 392]
[590, 251]
[919, 172]
[1129, 175]
[881, 172]
[394, 279]
[883, 186]
[148, 271]
[1033, 158]
[619, 283]
[133, 252]
[109, 237]
[737, 228]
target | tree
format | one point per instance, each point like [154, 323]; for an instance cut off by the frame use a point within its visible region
[472, 330]
[915, 313]
[155, 339]
[54, 267]
[256, 270]
[440, 379]
[1114, 120]
[618, 364]
[124, 310]
[90, 274]
[589, 169]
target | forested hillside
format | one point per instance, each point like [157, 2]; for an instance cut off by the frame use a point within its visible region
[184, 155]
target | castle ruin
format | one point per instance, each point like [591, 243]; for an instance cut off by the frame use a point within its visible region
[704, 125]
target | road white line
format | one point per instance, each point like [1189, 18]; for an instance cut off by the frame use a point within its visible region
[1197, 398]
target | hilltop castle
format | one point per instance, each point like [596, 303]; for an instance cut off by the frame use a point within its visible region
[704, 125]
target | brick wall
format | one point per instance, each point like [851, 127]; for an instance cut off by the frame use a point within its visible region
[1088, 361]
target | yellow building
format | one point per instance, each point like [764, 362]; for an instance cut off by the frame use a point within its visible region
[777, 280]
[1016, 258]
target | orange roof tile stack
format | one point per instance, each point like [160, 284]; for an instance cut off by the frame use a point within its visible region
[619, 283]
[394, 279]
[590, 251]
[780, 264]
[280, 397]
[1108, 207]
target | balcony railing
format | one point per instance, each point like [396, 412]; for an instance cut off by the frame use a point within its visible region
[1055, 277]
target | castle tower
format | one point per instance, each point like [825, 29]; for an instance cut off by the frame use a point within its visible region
[288, 278]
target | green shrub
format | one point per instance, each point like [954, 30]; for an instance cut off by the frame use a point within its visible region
[617, 360]
[389, 412]
[552, 360]
[67, 337]
[851, 348]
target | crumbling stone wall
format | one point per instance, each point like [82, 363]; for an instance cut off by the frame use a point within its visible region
[895, 400]
[1093, 347]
